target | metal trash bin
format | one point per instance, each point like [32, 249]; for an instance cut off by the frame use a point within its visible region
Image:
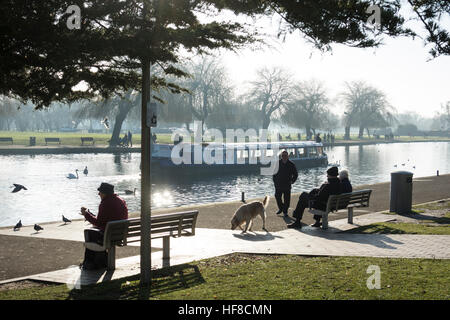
[401, 192]
[32, 141]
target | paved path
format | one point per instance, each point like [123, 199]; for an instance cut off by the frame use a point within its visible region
[209, 243]
[26, 252]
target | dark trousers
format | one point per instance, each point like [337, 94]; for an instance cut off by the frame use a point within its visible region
[280, 195]
[302, 204]
[93, 259]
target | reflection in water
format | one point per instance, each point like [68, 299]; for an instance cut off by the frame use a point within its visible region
[50, 194]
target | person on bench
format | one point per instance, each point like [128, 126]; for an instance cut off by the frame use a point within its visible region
[319, 198]
[346, 186]
[111, 208]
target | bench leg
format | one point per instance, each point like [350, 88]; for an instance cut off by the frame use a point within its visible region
[350, 215]
[112, 258]
[166, 251]
[325, 221]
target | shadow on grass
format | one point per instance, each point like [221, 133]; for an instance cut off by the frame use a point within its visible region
[417, 215]
[163, 281]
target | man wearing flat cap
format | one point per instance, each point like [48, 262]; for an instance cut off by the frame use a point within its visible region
[319, 198]
[111, 208]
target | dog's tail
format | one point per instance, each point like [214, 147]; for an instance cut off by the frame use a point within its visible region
[266, 201]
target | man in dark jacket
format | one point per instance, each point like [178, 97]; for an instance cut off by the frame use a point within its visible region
[111, 208]
[319, 198]
[287, 174]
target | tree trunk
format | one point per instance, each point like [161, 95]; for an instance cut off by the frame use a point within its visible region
[266, 121]
[308, 132]
[361, 132]
[124, 108]
[347, 133]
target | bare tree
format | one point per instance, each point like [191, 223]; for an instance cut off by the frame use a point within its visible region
[271, 92]
[365, 107]
[308, 108]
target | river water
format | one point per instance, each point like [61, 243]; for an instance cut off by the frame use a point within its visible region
[50, 194]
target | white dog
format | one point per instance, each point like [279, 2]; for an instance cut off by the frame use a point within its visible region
[247, 212]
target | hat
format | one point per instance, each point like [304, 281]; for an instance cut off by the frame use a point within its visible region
[333, 171]
[106, 188]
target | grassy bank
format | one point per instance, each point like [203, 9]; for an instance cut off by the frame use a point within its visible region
[101, 139]
[245, 276]
[432, 218]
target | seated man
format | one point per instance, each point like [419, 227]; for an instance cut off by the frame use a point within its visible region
[111, 208]
[319, 197]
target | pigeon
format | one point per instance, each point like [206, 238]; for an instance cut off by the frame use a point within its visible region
[66, 220]
[18, 187]
[18, 225]
[38, 228]
[105, 122]
[85, 171]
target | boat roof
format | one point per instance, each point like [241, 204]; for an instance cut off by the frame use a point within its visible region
[256, 145]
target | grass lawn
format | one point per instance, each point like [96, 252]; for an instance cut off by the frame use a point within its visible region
[423, 221]
[265, 277]
[101, 139]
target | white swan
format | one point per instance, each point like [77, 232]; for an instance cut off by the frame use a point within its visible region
[131, 192]
[72, 176]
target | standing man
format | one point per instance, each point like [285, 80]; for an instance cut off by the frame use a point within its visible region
[129, 138]
[287, 174]
[111, 208]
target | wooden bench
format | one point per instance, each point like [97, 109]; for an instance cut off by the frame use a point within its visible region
[6, 139]
[90, 139]
[123, 232]
[52, 140]
[347, 201]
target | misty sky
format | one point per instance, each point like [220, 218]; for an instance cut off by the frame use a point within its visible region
[401, 68]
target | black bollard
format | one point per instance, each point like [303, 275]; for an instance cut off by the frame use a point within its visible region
[438, 173]
[243, 196]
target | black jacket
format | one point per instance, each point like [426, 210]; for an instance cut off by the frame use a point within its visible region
[287, 174]
[320, 198]
[346, 186]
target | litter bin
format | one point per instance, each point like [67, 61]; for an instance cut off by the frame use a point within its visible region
[401, 192]
[32, 141]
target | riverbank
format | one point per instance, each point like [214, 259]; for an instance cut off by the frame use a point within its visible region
[25, 255]
[70, 149]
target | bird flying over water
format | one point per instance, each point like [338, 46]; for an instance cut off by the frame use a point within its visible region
[18, 187]
[105, 122]
[18, 225]
[38, 228]
[65, 220]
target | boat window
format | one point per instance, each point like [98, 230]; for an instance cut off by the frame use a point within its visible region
[312, 152]
[301, 152]
[319, 151]
[291, 152]
[269, 153]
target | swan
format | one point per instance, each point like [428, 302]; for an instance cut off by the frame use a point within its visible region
[72, 176]
[131, 192]
[85, 171]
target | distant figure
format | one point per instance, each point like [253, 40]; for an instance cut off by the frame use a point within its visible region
[111, 208]
[154, 137]
[105, 122]
[85, 171]
[318, 197]
[287, 174]
[130, 136]
[318, 138]
[124, 141]
[332, 138]
[299, 136]
[18, 225]
[18, 187]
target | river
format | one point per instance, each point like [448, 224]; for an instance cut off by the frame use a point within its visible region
[50, 194]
